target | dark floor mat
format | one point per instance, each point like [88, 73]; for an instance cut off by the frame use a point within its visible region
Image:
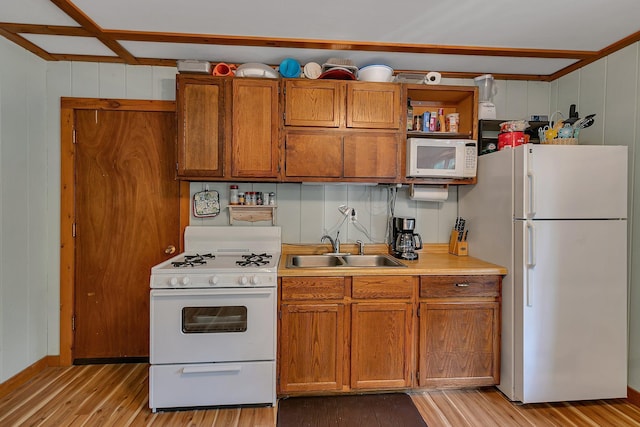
[371, 410]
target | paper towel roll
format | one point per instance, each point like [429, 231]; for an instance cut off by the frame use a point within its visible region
[429, 193]
[433, 78]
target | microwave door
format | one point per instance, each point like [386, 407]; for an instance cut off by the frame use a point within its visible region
[437, 158]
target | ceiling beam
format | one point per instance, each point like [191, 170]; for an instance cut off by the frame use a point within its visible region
[26, 44]
[52, 30]
[95, 30]
[343, 45]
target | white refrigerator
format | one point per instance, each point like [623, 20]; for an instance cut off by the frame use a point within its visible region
[556, 217]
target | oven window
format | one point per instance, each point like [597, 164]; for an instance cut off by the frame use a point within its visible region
[197, 320]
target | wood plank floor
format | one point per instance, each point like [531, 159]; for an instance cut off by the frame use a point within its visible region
[117, 395]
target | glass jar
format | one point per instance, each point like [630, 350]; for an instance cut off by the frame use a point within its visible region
[272, 198]
[233, 195]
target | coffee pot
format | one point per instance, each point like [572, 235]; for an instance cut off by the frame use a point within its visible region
[405, 240]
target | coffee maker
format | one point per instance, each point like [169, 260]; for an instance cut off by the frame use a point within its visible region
[405, 241]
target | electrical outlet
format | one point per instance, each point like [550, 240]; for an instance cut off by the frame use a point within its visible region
[354, 217]
[345, 210]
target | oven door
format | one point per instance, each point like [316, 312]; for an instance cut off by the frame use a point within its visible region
[212, 325]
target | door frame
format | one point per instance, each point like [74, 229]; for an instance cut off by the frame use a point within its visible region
[68, 106]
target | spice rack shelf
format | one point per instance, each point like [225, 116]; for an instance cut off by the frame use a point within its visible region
[252, 213]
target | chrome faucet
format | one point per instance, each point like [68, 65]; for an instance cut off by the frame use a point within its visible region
[335, 244]
[360, 247]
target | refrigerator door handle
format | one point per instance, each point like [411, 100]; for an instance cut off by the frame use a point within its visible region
[531, 261]
[531, 245]
[530, 180]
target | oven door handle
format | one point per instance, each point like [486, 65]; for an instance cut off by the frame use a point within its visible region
[203, 292]
[210, 369]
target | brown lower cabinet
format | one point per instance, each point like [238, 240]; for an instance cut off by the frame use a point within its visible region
[459, 338]
[381, 332]
[312, 333]
[342, 334]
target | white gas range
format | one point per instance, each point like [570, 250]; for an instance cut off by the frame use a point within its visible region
[213, 320]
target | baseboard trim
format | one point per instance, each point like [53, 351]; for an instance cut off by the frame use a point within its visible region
[633, 396]
[28, 373]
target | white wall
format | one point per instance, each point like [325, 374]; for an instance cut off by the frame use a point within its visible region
[30, 91]
[24, 234]
[611, 89]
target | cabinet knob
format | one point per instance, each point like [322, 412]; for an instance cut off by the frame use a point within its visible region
[170, 249]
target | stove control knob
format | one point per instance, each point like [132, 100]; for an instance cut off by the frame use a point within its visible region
[173, 281]
[255, 280]
[213, 280]
[185, 281]
[243, 280]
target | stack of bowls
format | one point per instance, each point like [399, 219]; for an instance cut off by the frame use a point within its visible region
[375, 73]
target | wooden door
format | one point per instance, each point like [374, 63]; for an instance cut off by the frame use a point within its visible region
[373, 105]
[371, 155]
[313, 103]
[381, 345]
[127, 215]
[255, 150]
[313, 154]
[311, 347]
[201, 117]
[459, 344]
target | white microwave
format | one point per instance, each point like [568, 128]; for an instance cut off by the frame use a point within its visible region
[441, 158]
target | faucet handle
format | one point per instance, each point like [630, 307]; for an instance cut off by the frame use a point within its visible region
[360, 247]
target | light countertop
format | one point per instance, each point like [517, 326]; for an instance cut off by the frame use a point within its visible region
[433, 259]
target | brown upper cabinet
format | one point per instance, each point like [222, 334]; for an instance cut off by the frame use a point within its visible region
[228, 128]
[452, 99]
[294, 130]
[201, 118]
[255, 149]
[342, 104]
[342, 130]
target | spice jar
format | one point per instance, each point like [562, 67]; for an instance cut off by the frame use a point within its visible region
[241, 199]
[272, 198]
[233, 195]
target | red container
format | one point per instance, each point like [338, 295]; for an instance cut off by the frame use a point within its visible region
[510, 139]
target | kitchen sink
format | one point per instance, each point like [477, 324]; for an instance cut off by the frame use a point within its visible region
[372, 261]
[342, 261]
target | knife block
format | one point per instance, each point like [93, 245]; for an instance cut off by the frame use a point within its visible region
[456, 247]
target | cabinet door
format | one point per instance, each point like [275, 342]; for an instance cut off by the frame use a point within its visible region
[373, 155]
[381, 345]
[459, 344]
[373, 105]
[311, 347]
[313, 103]
[200, 107]
[313, 155]
[254, 143]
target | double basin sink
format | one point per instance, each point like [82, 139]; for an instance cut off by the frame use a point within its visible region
[342, 261]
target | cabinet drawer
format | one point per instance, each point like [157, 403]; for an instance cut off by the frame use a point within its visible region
[459, 286]
[310, 288]
[379, 287]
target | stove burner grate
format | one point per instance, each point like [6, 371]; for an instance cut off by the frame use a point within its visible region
[254, 260]
[193, 260]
